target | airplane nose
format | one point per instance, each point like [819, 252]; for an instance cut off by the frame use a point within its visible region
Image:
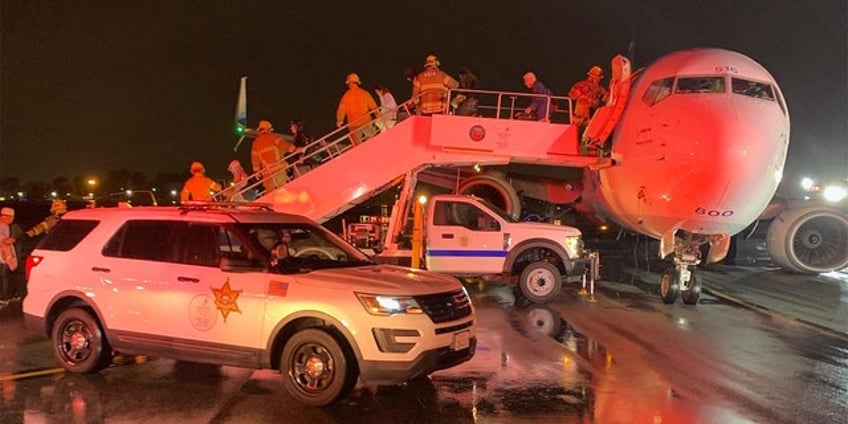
[737, 148]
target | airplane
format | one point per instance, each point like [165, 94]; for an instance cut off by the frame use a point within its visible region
[691, 150]
[241, 129]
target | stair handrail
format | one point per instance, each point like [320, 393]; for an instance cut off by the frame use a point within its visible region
[322, 150]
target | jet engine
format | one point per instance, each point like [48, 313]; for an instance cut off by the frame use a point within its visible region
[494, 188]
[809, 239]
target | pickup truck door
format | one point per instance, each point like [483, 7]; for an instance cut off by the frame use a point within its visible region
[463, 239]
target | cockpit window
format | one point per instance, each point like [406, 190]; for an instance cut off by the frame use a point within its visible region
[657, 91]
[700, 85]
[755, 89]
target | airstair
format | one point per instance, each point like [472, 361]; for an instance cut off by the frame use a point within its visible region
[332, 175]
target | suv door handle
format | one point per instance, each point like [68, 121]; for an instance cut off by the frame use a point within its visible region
[188, 280]
[99, 269]
[447, 235]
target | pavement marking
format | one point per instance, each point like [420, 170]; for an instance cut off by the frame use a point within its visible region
[762, 309]
[30, 374]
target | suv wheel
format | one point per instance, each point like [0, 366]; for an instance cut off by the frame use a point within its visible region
[79, 343]
[316, 369]
[540, 282]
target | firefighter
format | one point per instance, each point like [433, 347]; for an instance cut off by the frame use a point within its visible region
[198, 186]
[57, 209]
[588, 94]
[267, 154]
[356, 105]
[432, 84]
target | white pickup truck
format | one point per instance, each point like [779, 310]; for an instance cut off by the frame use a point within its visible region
[468, 236]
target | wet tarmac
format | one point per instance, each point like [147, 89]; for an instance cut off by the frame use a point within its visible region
[624, 358]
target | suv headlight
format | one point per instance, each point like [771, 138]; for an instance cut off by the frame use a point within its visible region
[574, 244]
[389, 305]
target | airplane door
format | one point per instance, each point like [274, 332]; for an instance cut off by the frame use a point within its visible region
[462, 238]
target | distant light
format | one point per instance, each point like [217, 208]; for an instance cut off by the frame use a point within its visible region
[173, 193]
[129, 193]
[807, 183]
[53, 194]
[422, 199]
[153, 189]
[20, 194]
[834, 193]
[477, 167]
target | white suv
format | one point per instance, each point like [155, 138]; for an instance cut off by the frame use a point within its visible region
[241, 286]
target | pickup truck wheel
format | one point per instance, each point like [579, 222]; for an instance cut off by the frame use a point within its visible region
[316, 369]
[79, 342]
[540, 282]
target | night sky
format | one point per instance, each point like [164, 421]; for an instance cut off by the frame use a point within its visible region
[93, 86]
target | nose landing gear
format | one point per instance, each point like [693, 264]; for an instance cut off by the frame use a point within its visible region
[680, 280]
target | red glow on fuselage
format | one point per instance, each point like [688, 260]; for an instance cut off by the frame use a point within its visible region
[706, 160]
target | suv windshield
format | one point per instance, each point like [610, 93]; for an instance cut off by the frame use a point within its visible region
[296, 248]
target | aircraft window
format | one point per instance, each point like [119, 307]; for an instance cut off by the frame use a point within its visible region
[700, 85]
[755, 89]
[657, 91]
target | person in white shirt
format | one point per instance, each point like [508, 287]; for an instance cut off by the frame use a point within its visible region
[389, 105]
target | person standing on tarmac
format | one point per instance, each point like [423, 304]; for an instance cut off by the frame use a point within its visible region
[13, 245]
[356, 105]
[266, 155]
[432, 84]
[8, 256]
[588, 95]
[198, 186]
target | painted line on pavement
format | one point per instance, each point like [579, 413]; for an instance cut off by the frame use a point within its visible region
[30, 374]
[762, 309]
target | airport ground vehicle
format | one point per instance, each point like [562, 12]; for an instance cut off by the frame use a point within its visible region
[468, 236]
[241, 285]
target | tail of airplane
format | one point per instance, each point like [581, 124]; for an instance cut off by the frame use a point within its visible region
[241, 113]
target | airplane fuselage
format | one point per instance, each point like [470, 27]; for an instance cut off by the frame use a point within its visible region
[700, 147]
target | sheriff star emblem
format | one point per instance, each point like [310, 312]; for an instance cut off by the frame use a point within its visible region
[225, 299]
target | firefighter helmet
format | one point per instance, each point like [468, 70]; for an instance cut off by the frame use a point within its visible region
[58, 207]
[431, 60]
[265, 126]
[352, 78]
[197, 167]
[596, 71]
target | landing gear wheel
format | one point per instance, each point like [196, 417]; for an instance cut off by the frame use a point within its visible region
[540, 282]
[315, 368]
[690, 296]
[669, 286]
[79, 343]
